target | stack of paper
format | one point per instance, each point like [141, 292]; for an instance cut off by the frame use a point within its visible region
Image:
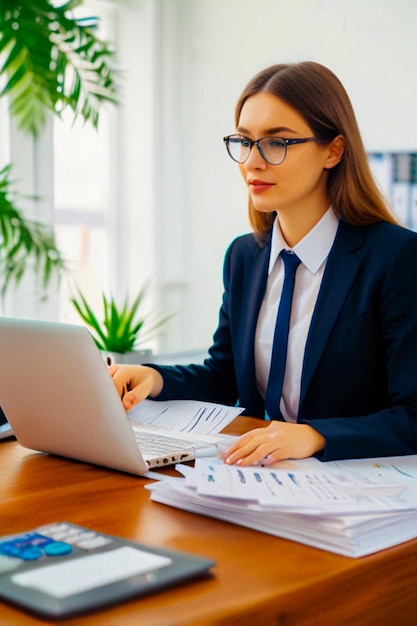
[348, 507]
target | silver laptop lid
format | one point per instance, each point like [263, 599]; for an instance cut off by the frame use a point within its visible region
[59, 398]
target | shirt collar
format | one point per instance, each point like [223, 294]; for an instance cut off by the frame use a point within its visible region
[314, 248]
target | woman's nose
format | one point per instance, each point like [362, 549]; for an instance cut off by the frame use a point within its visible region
[255, 160]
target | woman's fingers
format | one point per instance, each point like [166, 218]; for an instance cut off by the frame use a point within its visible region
[251, 448]
[137, 394]
[276, 442]
[134, 383]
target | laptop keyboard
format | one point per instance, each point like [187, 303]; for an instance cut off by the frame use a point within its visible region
[156, 444]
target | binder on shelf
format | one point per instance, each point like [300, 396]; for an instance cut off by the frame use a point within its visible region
[401, 188]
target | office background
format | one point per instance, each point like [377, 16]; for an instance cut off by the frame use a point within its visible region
[153, 195]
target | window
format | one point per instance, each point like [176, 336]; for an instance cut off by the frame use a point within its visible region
[97, 187]
[82, 191]
[82, 205]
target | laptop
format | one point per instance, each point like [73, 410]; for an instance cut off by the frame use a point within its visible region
[5, 428]
[59, 398]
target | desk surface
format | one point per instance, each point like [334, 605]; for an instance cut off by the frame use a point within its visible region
[259, 579]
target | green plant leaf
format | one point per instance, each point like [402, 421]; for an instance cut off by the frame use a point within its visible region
[121, 328]
[86, 313]
[52, 60]
[23, 240]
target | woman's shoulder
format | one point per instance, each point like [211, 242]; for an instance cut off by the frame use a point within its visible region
[383, 245]
[243, 252]
[392, 240]
[249, 243]
[382, 233]
[394, 230]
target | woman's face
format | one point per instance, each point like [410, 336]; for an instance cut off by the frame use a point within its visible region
[296, 186]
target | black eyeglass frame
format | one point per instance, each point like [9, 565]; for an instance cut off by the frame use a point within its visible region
[285, 144]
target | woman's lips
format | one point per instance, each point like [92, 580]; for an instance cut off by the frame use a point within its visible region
[258, 186]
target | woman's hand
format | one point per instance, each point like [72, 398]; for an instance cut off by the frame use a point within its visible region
[134, 383]
[276, 442]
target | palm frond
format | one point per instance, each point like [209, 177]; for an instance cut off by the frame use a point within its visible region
[51, 61]
[23, 240]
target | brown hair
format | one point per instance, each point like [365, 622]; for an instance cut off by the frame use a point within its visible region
[318, 95]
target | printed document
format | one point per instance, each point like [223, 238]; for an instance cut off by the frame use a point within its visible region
[188, 416]
[340, 489]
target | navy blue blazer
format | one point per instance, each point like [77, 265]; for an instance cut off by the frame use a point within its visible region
[359, 375]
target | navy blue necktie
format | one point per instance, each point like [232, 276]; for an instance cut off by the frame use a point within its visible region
[279, 348]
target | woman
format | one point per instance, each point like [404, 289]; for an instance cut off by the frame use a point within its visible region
[350, 385]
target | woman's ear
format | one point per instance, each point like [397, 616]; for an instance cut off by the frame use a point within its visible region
[335, 152]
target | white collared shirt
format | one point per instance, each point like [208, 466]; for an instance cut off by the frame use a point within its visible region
[313, 251]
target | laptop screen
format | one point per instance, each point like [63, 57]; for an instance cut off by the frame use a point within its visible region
[3, 419]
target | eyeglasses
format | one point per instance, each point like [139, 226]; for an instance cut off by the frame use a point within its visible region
[272, 149]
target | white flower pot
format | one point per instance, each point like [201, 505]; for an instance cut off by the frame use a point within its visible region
[136, 357]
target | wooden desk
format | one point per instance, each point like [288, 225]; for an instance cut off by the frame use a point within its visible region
[258, 579]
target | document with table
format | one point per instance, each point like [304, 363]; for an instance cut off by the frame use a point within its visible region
[353, 507]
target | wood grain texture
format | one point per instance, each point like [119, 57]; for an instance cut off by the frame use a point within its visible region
[258, 579]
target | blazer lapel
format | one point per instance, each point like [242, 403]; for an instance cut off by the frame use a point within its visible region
[256, 279]
[342, 265]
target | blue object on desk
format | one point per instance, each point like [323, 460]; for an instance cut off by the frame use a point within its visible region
[88, 570]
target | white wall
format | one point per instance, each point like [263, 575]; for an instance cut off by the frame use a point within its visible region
[204, 52]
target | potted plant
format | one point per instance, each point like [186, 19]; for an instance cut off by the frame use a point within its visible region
[120, 331]
[49, 61]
